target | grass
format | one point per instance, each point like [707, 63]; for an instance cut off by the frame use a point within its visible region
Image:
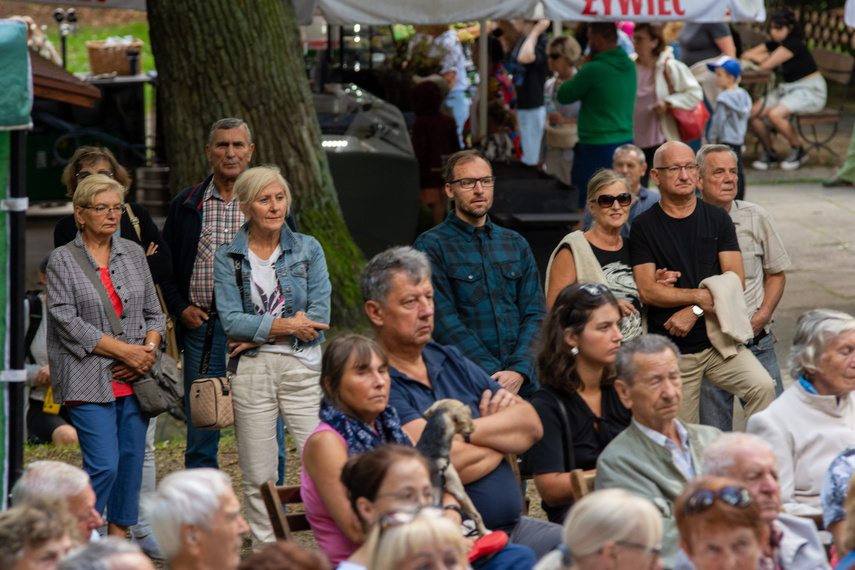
[77, 54]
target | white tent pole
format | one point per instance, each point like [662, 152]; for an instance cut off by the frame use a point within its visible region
[557, 28]
[484, 75]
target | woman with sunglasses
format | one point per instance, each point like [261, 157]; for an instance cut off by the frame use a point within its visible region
[600, 255]
[88, 160]
[560, 135]
[609, 529]
[721, 527]
[388, 482]
[803, 90]
[577, 403]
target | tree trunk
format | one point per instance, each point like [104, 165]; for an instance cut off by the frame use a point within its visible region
[242, 58]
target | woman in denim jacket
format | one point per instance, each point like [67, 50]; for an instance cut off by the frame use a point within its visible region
[276, 323]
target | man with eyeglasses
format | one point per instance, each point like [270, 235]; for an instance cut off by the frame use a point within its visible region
[489, 300]
[697, 240]
[656, 455]
[764, 259]
[793, 541]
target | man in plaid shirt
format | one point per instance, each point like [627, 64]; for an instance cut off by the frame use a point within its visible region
[488, 297]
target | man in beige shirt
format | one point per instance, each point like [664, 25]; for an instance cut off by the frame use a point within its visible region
[764, 259]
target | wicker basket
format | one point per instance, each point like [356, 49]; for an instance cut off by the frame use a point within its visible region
[112, 58]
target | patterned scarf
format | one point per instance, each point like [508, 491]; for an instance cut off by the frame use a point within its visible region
[360, 437]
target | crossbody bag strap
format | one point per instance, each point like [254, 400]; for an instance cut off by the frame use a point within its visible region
[567, 435]
[135, 221]
[209, 332]
[667, 79]
[80, 257]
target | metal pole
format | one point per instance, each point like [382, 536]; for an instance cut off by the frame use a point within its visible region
[484, 78]
[17, 237]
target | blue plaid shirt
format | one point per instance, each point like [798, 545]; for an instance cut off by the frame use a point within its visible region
[487, 293]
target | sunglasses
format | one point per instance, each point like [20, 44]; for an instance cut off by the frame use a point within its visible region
[606, 200]
[731, 495]
[85, 173]
[555, 56]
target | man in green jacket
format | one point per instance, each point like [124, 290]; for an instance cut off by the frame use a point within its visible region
[656, 455]
[606, 86]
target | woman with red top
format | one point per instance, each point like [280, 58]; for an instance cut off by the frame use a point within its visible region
[92, 370]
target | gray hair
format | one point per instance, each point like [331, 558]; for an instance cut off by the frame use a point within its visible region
[814, 330]
[90, 187]
[253, 180]
[701, 157]
[228, 124]
[625, 367]
[626, 148]
[605, 517]
[185, 497]
[720, 455]
[49, 479]
[98, 555]
[375, 281]
[604, 177]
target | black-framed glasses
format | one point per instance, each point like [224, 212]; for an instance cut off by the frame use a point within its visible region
[104, 210]
[674, 170]
[606, 200]
[469, 183]
[555, 56]
[654, 550]
[730, 495]
[85, 173]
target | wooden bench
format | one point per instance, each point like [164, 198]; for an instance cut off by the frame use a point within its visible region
[835, 68]
[276, 499]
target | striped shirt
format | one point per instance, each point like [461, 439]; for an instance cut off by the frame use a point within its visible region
[682, 454]
[221, 220]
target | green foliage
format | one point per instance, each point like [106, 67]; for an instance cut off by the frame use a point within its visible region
[78, 55]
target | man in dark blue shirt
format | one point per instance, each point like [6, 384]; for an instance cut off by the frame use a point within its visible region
[398, 294]
[489, 300]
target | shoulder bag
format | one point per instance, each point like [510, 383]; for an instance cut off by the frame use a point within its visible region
[690, 122]
[171, 338]
[161, 388]
[211, 398]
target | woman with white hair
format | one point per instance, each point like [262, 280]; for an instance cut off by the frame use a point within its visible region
[417, 539]
[814, 419]
[272, 291]
[609, 529]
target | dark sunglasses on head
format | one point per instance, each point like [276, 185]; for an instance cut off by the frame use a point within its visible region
[606, 200]
[731, 495]
[85, 173]
[555, 56]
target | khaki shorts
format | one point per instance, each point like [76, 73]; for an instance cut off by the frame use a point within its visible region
[806, 95]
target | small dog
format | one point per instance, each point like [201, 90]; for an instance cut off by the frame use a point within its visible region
[444, 419]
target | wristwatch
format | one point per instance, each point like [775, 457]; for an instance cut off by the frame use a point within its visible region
[699, 312]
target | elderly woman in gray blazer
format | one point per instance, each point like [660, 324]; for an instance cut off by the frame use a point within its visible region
[92, 369]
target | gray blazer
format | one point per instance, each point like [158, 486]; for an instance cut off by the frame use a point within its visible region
[78, 320]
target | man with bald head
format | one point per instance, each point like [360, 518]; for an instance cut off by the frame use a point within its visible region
[793, 541]
[697, 240]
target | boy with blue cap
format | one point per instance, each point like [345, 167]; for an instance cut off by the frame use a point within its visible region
[729, 120]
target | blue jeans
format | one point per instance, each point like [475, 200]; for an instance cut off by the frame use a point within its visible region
[203, 444]
[716, 407]
[459, 103]
[532, 122]
[112, 441]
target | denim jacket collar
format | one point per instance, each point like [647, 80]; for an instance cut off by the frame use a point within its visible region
[240, 244]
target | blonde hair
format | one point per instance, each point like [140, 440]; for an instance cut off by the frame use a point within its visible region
[606, 517]
[389, 548]
[604, 177]
[567, 46]
[90, 187]
[254, 180]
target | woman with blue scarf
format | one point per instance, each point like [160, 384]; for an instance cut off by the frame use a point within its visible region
[355, 417]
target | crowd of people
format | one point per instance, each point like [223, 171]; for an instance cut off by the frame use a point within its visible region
[623, 361]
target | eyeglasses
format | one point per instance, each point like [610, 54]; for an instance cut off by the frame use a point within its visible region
[606, 200]
[469, 183]
[102, 211]
[674, 170]
[84, 173]
[731, 495]
[555, 56]
[654, 550]
[428, 496]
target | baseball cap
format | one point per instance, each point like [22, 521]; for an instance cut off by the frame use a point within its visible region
[729, 64]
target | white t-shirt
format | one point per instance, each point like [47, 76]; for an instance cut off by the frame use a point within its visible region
[267, 298]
